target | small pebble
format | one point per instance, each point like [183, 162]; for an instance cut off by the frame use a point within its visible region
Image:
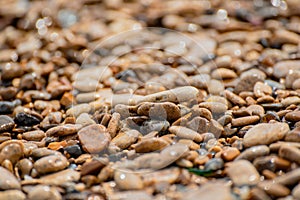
[128, 180]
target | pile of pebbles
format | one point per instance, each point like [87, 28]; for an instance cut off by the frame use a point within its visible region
[203, 105]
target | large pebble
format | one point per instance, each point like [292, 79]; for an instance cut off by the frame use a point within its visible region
[128, 180]
[6, 123]
[242, 172]
[247, 83]
[290, 153]
[271, 163]
[44, 192]
[12, 194]
[290, 100]
[94, 138]
[8, 180]
[265, 134]
[149, 145]
[281, 69]
[293, 116]
[78, 109]
[159, 111]
[36, 135]
[296, 192]
[52, 163]
[254, 152]
[289, 178]
[186, 133]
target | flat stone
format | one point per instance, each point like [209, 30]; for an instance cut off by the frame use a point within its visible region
[51, 163]
[265, 134]
[8, 180]
[254, 152]
[36, 135]
[6, 123]
[186, 133]
[272, 163]
[128, 180]
[242, 172]
[63, 130]
[94, 138]
[290, 100]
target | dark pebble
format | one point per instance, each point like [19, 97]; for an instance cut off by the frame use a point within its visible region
[8, 107]
[6, 123]
[73, 150]
[24, 119]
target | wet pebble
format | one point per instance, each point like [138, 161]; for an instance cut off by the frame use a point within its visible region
[149, 145]
[11, 150]
[36, 135]
[186, 133]
[44, 192]
[52, 163]
[271, 163]
[293, 135]
[242, 172]
[230, 153]
[63, 130]
[8, 180]
[84, 119]
[73, 150]
[243, 121]
[125, 138]
[293, 116]
[94, 138]
[265, 134]
[254, 152]
[290, 100]
[214, 164]
[6, 123]
[128, 180]
[24, 119]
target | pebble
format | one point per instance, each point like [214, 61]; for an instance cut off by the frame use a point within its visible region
[84, 119]
[25, 166]
[247, 82]
[296, 191]
[214, 164]
[259, 194]
[230, 153]
[290, 100]
[212, 190]
[125, 138]
[128, 180]
[150, 145]
[129, 195]
[11, 150]
[51, 163]
[290, 153]
[78, 109]
[63, 130]
[8, 180]
[282, 68]
[36, 135]
[254, 152]
[215, 87]
[160, 111]
[94, 138]
[73, 150]
[242, 172]
[265, 134]
[291, 77]
[44, 192]
[92, 167]
[260, 89]
[274, 189]
[6, 123]
[271, 163]
[293, 135]
[186, 133]
[12, 194]
[244, 121]
[293, 116]
[289, 178]
[235, 99]
[113, 124]
[223, 73]
[24, 119]
[214, 107]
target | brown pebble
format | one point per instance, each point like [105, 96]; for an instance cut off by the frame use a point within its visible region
[128, 180]
[260, 89]
[52, 163]
[92, 167]
[12, 194]
[186, 133]
[36, 135]
[63, 130]
[113, 124]
[293, 135]
[8, 180]
[12, 150]
[274, 189]
[293, 116]
[290, 153]
[125, 138]
[46, 191]
[230, 153]
[149, 145]
[94, 138]
[235, 99]
[244, 121]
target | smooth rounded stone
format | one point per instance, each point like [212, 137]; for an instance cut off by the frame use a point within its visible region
[293, 135]
[12, 194]
[293, 116]
[6, 123]
[230, 153]
[8, 107]
[198, 124]
[289, 178]
[52, 163]
[254, 152]
[24, 119]
[291, 77]
[177, 95]
[93, 167]
[169, 175]
[78, 109]
[8, 180]
[86, 85]
[235, 99]
[202, 112]
[44, 192]
[11, 150]
[265, 134]
[161, 111]
[215, 87]
[42, 152]
[282, 68]
[8, 93]
[129, 195]
[128, 180]
[259, 194]
[199, 81]
[149, 145]
[94, 138]
[271, 163]
[214, 107]
[11, 70]
[274, 189]
[125, 138]
[63, 130]
[214, 164]
[186, 133]
[296, 192]
[36, 135]
[84, 119]
[216, 128]
[290, 100]
[126, 99]
[73, 150]
[223, 73]
[290, 153]
[154, 125]
[213, 190]
[244, 121]
[242, 172]
[274, 84]
[296, 84]
[260, 89]
[99, 73]
[113, 124]
[24, 166]
[247, 82]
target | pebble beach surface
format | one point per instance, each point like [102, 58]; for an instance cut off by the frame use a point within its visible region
[96, 105]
